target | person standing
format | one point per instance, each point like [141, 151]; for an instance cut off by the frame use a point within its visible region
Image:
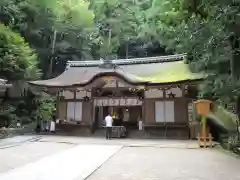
[46, 126]
[53, 124]
[140, 124]
[108, 122]
[18, 124]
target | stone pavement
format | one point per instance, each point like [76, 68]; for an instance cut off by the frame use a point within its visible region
[76, 158]
[17, 140]
[78, 162]
[191, 144]
[17, 156]
[151, 163]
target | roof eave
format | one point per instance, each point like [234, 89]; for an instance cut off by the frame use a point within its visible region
[114, 74]
[49, 86]
[145, 83]
[187, 81]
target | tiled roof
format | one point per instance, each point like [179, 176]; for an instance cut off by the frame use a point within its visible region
[144, 71]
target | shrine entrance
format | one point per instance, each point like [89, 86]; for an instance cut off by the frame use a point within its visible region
[120, 100]
[125, 112]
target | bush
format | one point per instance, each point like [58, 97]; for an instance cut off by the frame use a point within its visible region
[45, 109]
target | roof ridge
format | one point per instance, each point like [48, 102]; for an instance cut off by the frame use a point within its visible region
[155, 59]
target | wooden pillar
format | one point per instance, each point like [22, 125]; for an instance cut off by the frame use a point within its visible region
[143, 107]
[199, 140]
[57, 103]
[144, 112]
[93, 105]
[74, 99]
[164, 93]
[204, 130]
[210, 140]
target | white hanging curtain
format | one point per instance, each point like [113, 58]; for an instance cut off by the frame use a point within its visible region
[78, 111]
[70, 111]
[159, 111]
[164, 111]
[169, 111]
[74, 111]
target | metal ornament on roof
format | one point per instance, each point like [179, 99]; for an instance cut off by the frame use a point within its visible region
[167, 58]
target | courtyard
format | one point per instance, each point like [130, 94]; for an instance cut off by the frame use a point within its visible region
[75, 158]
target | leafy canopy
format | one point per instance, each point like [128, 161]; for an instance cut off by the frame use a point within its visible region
[17, 60]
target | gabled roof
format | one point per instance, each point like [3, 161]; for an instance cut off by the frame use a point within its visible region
[138, 71]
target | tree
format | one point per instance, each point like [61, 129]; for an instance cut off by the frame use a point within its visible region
[17, 60]
[208, 31]
[118, 25]
[58, 30]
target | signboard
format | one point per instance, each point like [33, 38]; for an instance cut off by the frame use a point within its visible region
[108, 78]
[114, 82]
[118, 102]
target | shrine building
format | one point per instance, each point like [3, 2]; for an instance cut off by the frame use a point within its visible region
[154, 89]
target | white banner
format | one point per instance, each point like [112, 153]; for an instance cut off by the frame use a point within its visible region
[118, 102]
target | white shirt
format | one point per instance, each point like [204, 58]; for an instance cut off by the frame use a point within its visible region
[18, 124]
[140, 125]
[52, 126]
[109, 121]
[126, 116]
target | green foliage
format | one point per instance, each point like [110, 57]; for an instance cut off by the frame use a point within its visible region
[17, 60]
[59, 30]
[208, 31]
[223, 118]
[7, 114]
[46, 107]
[118, 23]
[29, 109]
[37, 21]
[72, 14]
